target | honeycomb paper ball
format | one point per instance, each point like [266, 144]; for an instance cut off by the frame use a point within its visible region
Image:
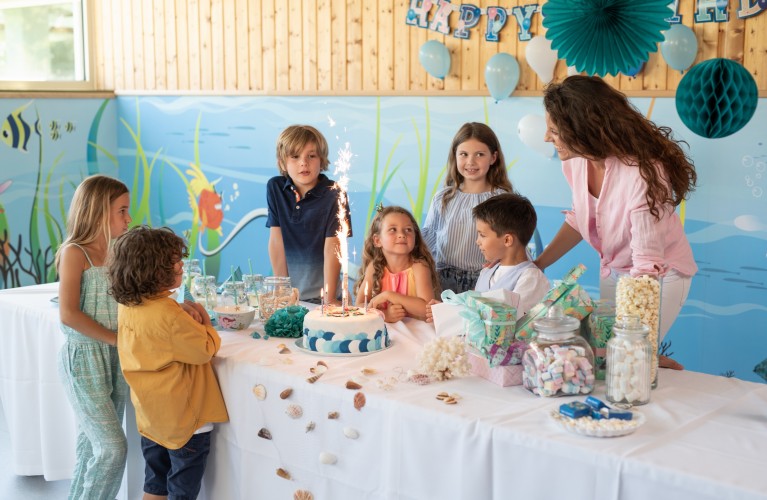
[716, 98]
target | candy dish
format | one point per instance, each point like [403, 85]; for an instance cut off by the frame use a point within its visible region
[587, 426]
[235, 317]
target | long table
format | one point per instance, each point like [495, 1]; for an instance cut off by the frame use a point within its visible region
[705, 436]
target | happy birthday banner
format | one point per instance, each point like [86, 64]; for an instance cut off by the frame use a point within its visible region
[707, 11]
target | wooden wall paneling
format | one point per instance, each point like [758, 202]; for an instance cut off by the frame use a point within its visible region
[338, 44]
[147, 29]
[369, 59]
[218, 50]
[687, 11]
[471, 77]
[507, 42]
[487, 49]
[255, 51]
[295, 50]
[115, 32]
[528, 80]
[310, 48]
[268, 42]
[104, 74]
[655, 72]
[181, 52]
[138, 45]
[325, 68]
[403, 51]
[755, 50]
[231, 56]
[206, 49]
[159, 45]
[193, 43]
[354, 54]
[419, 77]
[385, 45]
[128, 61]
[453, 78]
[242, 41]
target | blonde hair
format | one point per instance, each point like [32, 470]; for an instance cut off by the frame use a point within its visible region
[294, 139]
[89, 212]
[371, 254]
[496, 174]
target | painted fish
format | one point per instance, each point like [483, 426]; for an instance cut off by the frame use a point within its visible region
[209, 205]
[15, 130]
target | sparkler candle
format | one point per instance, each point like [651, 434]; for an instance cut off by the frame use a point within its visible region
[342, 165]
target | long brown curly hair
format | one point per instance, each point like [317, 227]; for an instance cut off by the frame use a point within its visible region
[596, 121]
[496, 175]
[142, 263]
[373, 254]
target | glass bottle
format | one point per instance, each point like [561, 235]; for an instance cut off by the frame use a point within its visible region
[234, 294]
[204, 292]
[599, 332]
[191, 269]
[641, 296]
[629, 362]
[559, 362]
[275, 294]
[253, 284]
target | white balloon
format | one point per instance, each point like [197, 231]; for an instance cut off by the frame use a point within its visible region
[531, 130]
[541, 57]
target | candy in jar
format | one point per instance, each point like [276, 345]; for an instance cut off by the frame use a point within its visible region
[641, 296]
[559, 362]
[629, 359]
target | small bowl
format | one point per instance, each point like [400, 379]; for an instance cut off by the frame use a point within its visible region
[235, 318]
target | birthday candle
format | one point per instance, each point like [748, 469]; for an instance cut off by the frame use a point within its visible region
[366, 297]
[322, 302]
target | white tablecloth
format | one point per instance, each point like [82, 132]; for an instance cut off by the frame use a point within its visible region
[705, 436]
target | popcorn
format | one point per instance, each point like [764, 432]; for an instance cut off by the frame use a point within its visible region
[640, 296]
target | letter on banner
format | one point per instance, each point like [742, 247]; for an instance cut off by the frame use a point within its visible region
[419, 10]
[496, 19]
[676, 18]
[705, 7]
[523, 15]
[469, 18]
[750, 8]
[439, 22]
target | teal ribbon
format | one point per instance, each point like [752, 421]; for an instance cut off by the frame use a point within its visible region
[473, 322]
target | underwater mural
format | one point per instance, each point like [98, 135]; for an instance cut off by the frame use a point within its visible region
[200, 166]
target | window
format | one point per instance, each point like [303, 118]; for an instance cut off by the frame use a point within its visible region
[43, 45]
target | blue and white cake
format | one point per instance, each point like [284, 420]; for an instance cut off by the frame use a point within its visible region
[357, 332]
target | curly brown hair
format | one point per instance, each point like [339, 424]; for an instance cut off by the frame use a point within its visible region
[142, 263]
[372, 254]
[596, 121]
[496, 175]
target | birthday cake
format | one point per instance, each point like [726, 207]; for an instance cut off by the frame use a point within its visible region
[358, 331]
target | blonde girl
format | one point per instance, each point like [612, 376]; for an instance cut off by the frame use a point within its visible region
[397, 266]
[88, 362]
[476, 171]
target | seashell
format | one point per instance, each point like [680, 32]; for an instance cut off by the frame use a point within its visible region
[359, 401]
[314, 378]
[328, 458]
[322, 363]
[368, 371]
[286, 393]
[294, 411]
[450, 401]
[264, 433]
[283, 473]
[351, 433]
[259, 391]
[420, 378]
[351, 384]
[333, 415]
[442, 395]
[310, 426]
[284, 350]
[320, 368]
[303, 495]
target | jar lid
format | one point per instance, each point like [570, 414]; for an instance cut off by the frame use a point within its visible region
[556, 321]
[630, 323]
[277, 279]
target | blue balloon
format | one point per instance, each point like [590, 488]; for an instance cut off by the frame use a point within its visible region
[501, 75]
[435, 58]
[680, 47]
[633, 72]
[526, 24]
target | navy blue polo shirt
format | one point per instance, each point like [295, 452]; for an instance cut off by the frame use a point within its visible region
[304, 224]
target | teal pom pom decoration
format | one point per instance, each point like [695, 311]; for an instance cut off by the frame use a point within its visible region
[602, 37]
[287, 322]
[716, 98]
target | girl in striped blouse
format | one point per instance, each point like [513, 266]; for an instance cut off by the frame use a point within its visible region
[476, 171]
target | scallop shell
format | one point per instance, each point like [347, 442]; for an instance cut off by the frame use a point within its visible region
[259, 391]
[333, 415]
[328, 458]
[283, 473]
[310, 426]
[351, 384]
[351, 433]
[286, 393]
[359, 401]
[264, 433]
[294, 411]
[303, 495]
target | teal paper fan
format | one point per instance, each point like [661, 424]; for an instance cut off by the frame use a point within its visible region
[716, 98]
[602, 37]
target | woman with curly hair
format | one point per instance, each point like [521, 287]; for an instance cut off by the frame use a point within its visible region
[397, 266]
[627, 175]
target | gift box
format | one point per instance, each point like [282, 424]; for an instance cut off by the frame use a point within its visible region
[499, 375]
[575, 302]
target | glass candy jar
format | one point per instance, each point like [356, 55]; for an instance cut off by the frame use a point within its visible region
[641, 296]
[234, 294]
[276, 294]
[629, 359]
[599, 332]
[204, 292]
[253, 284]
[559, 362]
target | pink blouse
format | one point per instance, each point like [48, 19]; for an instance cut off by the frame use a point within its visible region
[619, 225]
[402, 282]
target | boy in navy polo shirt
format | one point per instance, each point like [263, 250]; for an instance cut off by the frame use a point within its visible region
[303, 214]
